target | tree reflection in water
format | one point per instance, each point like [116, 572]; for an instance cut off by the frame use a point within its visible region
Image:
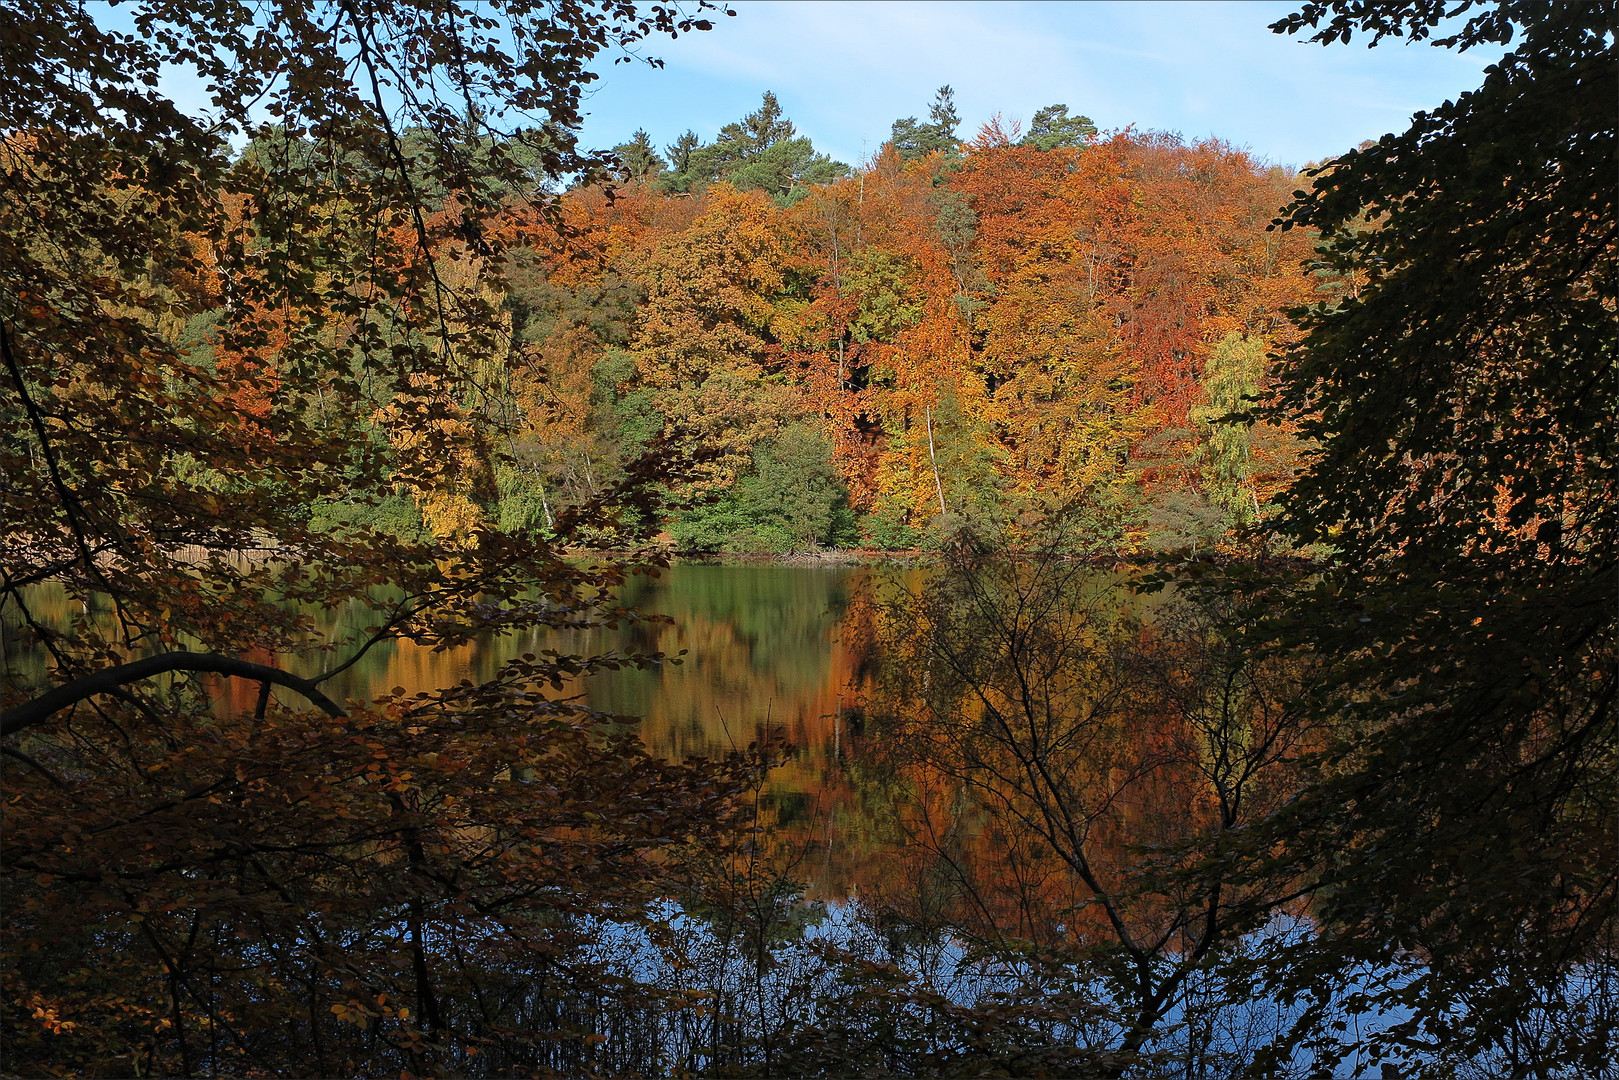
[993, 846]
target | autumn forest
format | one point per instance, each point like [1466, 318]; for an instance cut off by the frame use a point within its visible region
[961, 330]
[1043, 600]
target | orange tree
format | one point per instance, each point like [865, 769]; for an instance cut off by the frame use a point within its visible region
[217, 369]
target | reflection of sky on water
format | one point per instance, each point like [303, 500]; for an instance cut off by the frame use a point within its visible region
[705, 954]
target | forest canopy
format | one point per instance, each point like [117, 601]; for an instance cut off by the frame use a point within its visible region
[955, 331]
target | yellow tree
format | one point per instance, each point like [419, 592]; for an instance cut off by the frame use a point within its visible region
[1061, 374]
[707, 346]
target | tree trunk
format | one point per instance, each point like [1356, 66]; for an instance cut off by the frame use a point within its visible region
[934, 460]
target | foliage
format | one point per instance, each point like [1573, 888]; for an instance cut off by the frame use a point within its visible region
[912, 140]
[1052, 128]
[1231, 380]
[409, 886]
[394, 515]
[350, 388]
[1046, 316]
[795, 492]
[1062, 758]
[760, 152]
[225, 375]
[791, 501]
[1460, 400]
[886, 529]
[638, 159]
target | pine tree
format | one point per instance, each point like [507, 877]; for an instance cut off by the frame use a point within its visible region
[1052, 127]
[638, 160]
[913, 140]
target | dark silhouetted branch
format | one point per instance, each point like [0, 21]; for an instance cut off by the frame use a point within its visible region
[110, 679]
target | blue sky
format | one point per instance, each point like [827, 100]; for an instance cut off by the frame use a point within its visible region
[844, 71]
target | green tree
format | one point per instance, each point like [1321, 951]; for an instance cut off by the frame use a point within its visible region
[760, 152]
[786, 170]
[794, 495]
[1459, 828]
[1052, 128]
[792, 500]
[680, 177]
[1231, 380]
[754, 133]
[638, 160]
[912, 139]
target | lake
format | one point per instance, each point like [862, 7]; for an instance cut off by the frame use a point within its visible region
[767, 648]
[968, 773]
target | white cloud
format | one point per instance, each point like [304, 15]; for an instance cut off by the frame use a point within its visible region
[844, 71]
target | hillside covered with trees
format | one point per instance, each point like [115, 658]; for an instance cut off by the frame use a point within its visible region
[957, 331]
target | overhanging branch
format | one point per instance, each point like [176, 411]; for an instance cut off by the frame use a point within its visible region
[110, 679]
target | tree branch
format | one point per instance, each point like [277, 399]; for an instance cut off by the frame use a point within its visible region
[110, 679]
[6, 751]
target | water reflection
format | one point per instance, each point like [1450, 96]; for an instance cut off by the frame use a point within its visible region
[762, 650]
[797, 654]
[768, 650]
[979, 781]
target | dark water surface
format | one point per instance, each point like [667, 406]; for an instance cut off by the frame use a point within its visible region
[903, 863]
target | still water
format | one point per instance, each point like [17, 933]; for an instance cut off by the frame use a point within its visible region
[904, 864]
[755, 649]
[767, 649]
[763, 649]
